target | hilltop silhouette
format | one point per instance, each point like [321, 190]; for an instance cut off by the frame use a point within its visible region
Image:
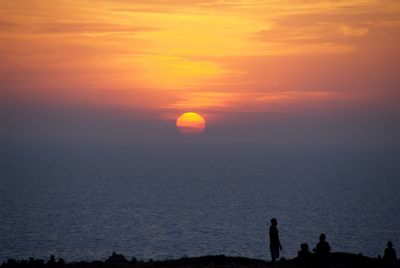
[342, 260]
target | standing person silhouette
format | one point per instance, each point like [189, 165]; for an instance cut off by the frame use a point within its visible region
[274, 243]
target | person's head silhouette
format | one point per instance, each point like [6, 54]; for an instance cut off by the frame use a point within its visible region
[304, 247]
[389, 244]
[274, 222]
[322, 237]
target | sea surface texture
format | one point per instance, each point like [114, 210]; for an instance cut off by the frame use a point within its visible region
[169, 201]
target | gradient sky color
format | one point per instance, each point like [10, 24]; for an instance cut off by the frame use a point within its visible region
[235, 62]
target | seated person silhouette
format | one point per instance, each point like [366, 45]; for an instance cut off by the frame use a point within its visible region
[304, 255]
[322, 249]
[390, 253]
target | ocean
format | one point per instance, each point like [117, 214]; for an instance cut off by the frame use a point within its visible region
[161, 201]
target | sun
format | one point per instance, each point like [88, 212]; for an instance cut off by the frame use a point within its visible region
[190, 123]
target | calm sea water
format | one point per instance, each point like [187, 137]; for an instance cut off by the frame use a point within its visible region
[169, 201]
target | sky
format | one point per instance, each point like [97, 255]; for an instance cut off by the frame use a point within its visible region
[288, 71]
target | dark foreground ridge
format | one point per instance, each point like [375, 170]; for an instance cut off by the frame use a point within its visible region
[339, 260]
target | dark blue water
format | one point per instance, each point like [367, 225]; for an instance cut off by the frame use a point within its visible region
[168, 201]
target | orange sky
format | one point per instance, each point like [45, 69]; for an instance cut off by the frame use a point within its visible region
[212, 56]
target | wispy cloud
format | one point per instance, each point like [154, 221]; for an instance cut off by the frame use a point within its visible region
[202, 53]
[91, 27]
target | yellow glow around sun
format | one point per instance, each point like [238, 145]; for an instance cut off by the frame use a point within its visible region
[190, 123]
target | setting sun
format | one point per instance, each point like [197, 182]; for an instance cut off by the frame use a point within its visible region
[190, 123]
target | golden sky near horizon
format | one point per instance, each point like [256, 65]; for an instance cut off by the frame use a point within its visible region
[202, 55]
